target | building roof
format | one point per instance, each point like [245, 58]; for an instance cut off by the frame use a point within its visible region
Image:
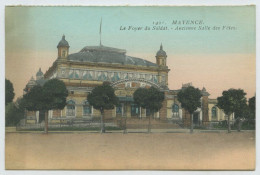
[161, 52]
[104, 54]
[39, 73]
[63, 42]
[204, 92]
[102, 49]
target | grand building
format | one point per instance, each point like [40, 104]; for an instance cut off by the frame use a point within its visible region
[93, 65]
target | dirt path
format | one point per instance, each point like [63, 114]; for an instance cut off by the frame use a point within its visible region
[198, 151]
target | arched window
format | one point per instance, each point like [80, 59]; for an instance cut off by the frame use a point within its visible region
[70, 108]
[134, 110]
[214, 112]
[175, 110]
[63, 53]
[87, 109]
[119, 109]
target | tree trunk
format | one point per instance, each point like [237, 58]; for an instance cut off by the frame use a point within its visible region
[125, 128]
[46, 122]
[25, 116]
[149, 125]
[102, 121]
[191, 123]
[229, 129]
[239, 125]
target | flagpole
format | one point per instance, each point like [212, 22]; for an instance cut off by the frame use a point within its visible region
[100, 32]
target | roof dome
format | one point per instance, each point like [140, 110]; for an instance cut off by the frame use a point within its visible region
[161, 52]
[204, 92]
[110, 55]
[63, 42]
[39, 73]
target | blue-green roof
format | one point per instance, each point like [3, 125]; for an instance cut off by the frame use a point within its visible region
[103, 54]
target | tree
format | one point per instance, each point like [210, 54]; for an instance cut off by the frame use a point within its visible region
[233, 101]
[9, 92]
[190, 100]
[150, 99]
[103, 98]
[51, 96]
[13, 113]
[252, 111]
[251, 105]
[240, 114]
[140, 96]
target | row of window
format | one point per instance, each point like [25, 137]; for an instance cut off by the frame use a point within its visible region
[135, 110]
[108, 76]
[87, 109]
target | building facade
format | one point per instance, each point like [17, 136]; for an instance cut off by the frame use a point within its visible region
[93, 65]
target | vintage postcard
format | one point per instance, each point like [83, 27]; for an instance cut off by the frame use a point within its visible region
[130, 88]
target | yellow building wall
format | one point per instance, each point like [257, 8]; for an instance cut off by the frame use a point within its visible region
[220, 113]
[169, 108]
[79, 97]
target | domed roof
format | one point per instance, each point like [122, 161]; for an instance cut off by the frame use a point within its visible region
[204, 92]
[104, 54]
[39, 73]
[161, 52]
[63, 42]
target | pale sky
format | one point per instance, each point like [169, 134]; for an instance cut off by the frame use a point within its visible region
[218, 60]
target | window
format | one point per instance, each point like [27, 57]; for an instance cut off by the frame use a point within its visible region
[148, 112]
[155, 79]
[175, 111]
[70, 108]
[63, 53]
[102, 76]
[116, 77]
[128, 84]
[87, 109]
[134, 110]
[71, 73]
[175, 108]
[214, 112]
[119, 109]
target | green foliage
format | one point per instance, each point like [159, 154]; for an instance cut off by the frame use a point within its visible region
[34, 100]
[103, 97]
[140, 96]
[51, 96]
[190, 98]
[233, 101]
[13, 114]
[252, 107]
[154, 99]
[55, 93]
[9, 92]
[150, 98]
